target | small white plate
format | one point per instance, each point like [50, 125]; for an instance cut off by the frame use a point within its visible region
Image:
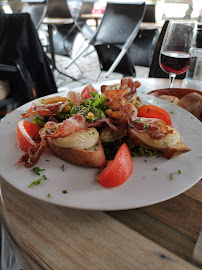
[146, 186]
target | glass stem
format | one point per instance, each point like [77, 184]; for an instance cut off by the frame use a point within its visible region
[172, 78]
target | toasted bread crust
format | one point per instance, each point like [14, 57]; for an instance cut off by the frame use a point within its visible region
[91, 158]
[168, 152]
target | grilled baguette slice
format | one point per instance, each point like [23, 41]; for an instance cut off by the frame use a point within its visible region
[82, 147]
[168, 148]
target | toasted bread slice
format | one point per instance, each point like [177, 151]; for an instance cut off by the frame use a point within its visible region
[92, 157]
[192, 103]
[171, 99]
[169, 151]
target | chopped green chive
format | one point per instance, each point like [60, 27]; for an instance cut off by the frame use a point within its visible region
[146, 126]
[37, 170]
[36, 182]
[63, 167]
[156, 169]
[49, 195]
[171, 176]
[172, 112]
[47, 160]
[179, 172]
[147, 110]
[145, 160]
[64, 191]
[44, 177]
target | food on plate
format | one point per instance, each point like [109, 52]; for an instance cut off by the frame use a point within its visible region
[118, 170]
[91, 128]
[26, 134]
[169, 98]
[153, 111]
[156, 135]
[81, 147]
[188, 99]
[192, 103]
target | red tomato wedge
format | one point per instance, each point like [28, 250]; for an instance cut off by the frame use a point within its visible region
[86, 93]
[152, 111]
[118, 170]
[26, 133]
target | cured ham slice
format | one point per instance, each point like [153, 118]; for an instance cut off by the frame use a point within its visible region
[68, 126]
[44, 110]
[32, 156]
[74, 97]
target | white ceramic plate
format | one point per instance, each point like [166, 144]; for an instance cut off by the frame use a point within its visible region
[146, 185]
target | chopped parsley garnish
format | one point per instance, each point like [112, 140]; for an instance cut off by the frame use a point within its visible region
[136, 120]
[49, 195]
[156, 169]
[146, 126]
[44, 177]
[179, 172]
[36, 182]
[172, 112]
[38, 121]
[64, 191]
[37, 170]
[62, 167]
[171, 176]
[147, 110]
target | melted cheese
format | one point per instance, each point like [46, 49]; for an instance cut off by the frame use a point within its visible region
[169, 140]
[82, 139]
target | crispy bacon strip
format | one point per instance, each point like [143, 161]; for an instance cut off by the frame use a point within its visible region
[155, 128]
[44, 110]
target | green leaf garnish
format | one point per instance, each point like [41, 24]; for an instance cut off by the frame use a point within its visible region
[64, 191]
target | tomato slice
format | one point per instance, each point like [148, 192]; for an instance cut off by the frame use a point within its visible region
[118, 170]
[26, 133]
[86, 93]
[152, 111]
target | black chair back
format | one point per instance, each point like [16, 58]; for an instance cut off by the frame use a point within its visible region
[87, 7]
[37, 11]
[150, 13]
[36, 8]
[118, 28]
[58, 9]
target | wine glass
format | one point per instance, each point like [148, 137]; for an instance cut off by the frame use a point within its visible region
[176, 51]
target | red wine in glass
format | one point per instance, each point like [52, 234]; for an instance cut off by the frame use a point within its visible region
[175, 62]
[177, 47]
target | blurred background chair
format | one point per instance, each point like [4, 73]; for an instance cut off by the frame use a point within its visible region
[64, 32]
[36, 8]
[118, 29]
[155, 69]
[22, 61]
[143, 46]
